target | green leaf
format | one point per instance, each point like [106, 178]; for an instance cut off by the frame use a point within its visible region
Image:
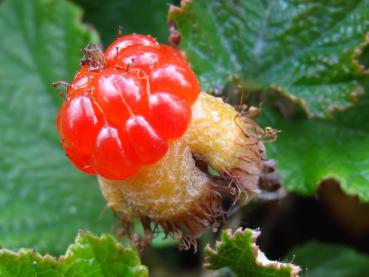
[305, 50]
[311, 151]
[88, 256]
[238, 252]
[132, 15]
[318, 259]
[44, 200]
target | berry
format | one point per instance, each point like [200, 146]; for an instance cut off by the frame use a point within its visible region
[173, 54]
[83, 82]
[141, 57]
[125, 41]
[81, 72]
[124, 107]
[147, 144]
[120, 95]
[169, 115]
[111, 155]
[176, 79]
[82, 162]
[146, 57]
[79, 122]
[135, 117]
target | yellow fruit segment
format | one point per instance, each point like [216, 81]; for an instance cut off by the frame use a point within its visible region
[226, 141]
[213, 134]
[161, 190]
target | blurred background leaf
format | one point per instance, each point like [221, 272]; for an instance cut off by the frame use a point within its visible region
[143, 17]
[319, 259]
[307, 52]
[311, 151]
[44, 201]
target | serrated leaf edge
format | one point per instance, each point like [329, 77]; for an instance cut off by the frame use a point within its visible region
[28, 251]
[86, 27]
[175, 11]
[357, 53]
[355, 94]
[260, 259]
[57, 261]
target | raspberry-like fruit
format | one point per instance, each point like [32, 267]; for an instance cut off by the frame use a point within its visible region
[135, 117]
[124, 42]
[124, 107]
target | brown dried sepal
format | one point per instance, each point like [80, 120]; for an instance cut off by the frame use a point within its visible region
[207, 212]
[93, 57]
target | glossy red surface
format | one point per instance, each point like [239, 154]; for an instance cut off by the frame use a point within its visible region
[176, 79]
[125, 41]
[110, 155]
[120, 117]
[147, 144]
[169, 115]
[82, 162]
[79, 121]
[120, 95]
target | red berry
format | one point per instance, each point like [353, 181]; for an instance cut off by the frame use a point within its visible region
[169, 115]
[123, 42]
[82, 83]
[146, 57]
[173, 54]
[146, 143]
[82, 162]
[120, 95]
[81, 72]
[141, 57]
[121, 116]
[79, 121]
[178, 80]
[110, 155]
